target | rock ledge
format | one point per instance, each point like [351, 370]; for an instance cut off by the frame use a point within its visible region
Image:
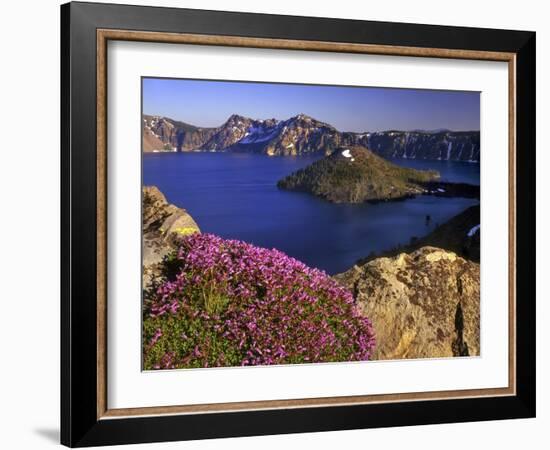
[163, 223]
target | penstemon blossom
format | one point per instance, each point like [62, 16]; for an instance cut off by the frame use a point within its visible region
[227, 302]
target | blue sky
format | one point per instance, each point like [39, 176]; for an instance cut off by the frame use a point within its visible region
[209, 103]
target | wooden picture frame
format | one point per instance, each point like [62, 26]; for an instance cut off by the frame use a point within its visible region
[86, 418]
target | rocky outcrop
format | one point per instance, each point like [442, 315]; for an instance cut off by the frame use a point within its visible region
[424, 304]
[163, 223]
[153, 142]
[304, 135]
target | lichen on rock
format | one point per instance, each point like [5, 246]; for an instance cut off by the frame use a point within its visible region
[423, 304]
[163, 224]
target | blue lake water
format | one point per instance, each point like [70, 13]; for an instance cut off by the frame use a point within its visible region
[234, 195]
[453, 171]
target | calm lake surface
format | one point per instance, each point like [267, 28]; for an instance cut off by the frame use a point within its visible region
[235, 196]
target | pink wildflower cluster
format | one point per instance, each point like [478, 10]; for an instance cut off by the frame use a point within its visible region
[231, 303]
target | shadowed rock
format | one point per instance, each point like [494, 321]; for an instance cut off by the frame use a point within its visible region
[461, 235]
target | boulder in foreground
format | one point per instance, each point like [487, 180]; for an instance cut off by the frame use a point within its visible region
[424, 304]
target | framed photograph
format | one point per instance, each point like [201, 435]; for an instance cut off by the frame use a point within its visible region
[276, 224]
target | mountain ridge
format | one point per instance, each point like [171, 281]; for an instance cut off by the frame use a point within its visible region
[304, 135]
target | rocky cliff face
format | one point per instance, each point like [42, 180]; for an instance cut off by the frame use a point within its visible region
[301, 135]
[240, 129]
[440, 145]
[164, 134]
[424, 304]
[162, 224]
